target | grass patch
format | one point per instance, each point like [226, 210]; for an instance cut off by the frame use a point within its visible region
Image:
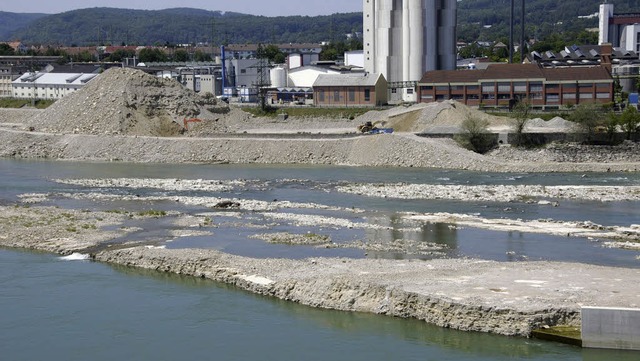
[311, 112]
[152, 213]
[19, 103]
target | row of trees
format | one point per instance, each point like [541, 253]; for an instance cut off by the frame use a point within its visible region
[591, 119]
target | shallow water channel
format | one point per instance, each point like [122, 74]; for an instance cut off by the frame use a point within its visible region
[357, 226]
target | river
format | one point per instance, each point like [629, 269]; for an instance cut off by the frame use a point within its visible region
[53, 308]
[79, 310]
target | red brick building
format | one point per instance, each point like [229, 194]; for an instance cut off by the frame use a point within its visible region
[339, 90]
[546, 88]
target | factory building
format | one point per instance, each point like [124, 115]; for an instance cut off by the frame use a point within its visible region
[620, 30]
[403, 39]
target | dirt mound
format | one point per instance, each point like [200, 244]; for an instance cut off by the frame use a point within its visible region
[439, 117]
[124, 102]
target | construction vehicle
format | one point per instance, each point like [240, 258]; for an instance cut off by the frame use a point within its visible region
[372, 128]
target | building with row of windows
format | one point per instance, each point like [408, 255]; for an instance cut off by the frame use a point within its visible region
[499, 85]
[350, 90]
[52, 86]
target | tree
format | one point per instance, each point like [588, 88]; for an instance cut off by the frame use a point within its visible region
[588, 116]
[520, 117]
[273, 53]
[630, 121]
[121, 54]
[201, 56]
[181, 56]
[6, 49]
[475, 135]
[152, 55]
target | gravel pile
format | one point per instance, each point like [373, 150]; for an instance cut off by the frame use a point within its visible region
[122, 102]
[628, 152]
[442, 117]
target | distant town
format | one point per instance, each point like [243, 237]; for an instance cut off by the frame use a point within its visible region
[407, 62]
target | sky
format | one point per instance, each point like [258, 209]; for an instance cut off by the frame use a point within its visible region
[255, 7]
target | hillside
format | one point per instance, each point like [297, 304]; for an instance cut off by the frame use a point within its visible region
[486, 20]
[181, 25]
[10, 22]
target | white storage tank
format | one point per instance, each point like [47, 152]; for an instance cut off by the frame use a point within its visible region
[278, 77]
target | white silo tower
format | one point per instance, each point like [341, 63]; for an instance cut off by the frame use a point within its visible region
[405, 38]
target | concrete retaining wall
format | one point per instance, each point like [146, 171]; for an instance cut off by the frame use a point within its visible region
[616, 328]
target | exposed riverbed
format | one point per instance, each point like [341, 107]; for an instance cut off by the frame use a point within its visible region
[296, 233]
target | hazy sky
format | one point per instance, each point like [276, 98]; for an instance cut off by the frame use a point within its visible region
[256, 7]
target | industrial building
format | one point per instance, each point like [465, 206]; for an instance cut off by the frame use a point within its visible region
[405, 39]
[500, 85]
[350, 90]
[621, 30]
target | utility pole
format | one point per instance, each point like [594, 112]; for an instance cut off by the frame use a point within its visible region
[522, 22]
[511, 20]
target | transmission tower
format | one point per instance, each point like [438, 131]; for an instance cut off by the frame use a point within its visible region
[262, 79]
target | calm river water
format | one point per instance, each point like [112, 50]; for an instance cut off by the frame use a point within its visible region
[52, 309]
[77, 310]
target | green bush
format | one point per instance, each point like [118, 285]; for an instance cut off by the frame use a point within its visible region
[475, 135]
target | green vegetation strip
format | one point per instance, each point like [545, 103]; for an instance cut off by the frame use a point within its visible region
[336, 113]
[19, 103]
[570, 335]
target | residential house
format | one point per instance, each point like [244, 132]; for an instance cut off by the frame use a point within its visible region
[501, 84]
[360, 90]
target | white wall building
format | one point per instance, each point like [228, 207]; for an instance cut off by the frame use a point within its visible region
[354, 58]
[306, 76]
[49, 85]
[619, 30]
[403, 39]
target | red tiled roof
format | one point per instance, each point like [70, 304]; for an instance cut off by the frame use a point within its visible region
[452, 76]
[512, 71]
[516, 71]
[577, 73]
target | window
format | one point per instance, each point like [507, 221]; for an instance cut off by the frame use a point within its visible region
[603, 95]
[409, 91]
[367, 95]
[488, 87]
[352, 95]
[569, 95]
[520, 87]
[586, 96]
[504, 87]
[336, 96]
[553, 98]
[321, 95]
[535, 87]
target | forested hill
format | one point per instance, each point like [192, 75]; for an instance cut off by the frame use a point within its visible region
[10, 22]
[485, 20]
[182, 25]
[489, 19]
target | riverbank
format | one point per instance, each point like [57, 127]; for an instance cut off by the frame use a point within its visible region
[396, 150]
[504, 298]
